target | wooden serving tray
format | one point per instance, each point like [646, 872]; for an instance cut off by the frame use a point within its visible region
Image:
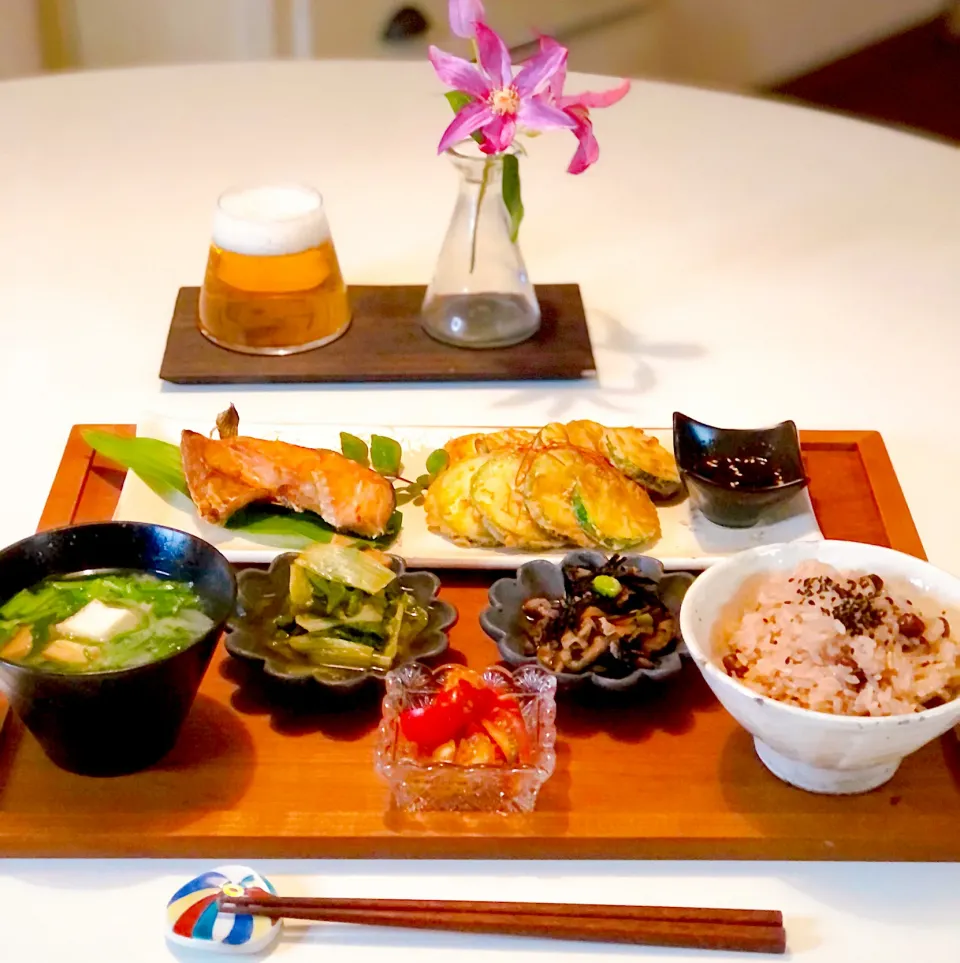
[666, 776]
[386, 343]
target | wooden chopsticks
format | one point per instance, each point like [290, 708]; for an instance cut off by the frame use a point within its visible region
[757, 931]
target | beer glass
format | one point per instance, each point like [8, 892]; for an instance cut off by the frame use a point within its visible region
[273, 283]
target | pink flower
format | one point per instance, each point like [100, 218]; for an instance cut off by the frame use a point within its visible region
[577, 108]
[499, 101]
[464, 17]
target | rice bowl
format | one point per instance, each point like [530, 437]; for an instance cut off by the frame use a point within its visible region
[848, 642]
[831, 710]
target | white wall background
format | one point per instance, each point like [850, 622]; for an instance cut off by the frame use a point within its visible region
[751, 42]
[19, 38]
[738, 43]
[113, 33]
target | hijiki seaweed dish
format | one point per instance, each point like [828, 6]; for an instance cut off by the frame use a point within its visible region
[611, 621]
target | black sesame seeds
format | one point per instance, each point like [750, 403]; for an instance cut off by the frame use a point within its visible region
[856, 606]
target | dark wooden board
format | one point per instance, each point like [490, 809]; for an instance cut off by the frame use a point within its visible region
[669, 775]
[385, 343]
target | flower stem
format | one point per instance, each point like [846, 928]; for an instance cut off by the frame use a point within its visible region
[476, 217]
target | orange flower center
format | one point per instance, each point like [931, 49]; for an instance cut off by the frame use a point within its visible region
[506, 100]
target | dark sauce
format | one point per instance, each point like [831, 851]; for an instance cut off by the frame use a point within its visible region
[735, 471]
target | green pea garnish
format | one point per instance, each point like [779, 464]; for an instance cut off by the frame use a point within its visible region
[607, 586]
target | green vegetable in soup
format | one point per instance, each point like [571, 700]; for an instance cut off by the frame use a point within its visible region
[100, 622]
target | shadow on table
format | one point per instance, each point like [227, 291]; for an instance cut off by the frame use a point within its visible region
[556, 398]
[209, 769]
[303, 710]
[212, 740]
[614, 338]
[916, 793]
[635, 715]
[329, 936]
[841, 884]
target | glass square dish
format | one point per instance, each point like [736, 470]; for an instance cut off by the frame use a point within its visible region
[426, 786]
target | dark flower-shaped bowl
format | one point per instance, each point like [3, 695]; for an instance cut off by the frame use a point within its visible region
[260, 598]
[503, 620]
[745, 505]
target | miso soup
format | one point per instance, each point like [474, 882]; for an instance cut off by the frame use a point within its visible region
[98, 622]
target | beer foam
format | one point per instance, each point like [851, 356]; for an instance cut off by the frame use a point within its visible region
[270, 220]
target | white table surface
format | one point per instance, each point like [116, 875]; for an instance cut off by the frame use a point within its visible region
[740, 260]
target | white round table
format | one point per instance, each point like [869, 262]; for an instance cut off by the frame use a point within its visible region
[740, 260]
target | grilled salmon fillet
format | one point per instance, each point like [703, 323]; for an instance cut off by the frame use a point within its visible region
[226, 474]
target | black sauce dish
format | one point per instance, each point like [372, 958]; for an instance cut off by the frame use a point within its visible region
[124, 720]
[736, 476]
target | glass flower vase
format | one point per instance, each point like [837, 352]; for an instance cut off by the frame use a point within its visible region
[480, 295]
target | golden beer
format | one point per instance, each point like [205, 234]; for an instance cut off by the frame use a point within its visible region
[273, 283]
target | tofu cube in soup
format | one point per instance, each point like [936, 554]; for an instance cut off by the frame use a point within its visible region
[99, 622]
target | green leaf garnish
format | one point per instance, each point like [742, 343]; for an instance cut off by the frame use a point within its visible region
[354, 448]
[458, 100]
[511, 193]
[394, 524]
[156, 462]
[273, 520]
[407, 493]
[437, 461]
[306, 527]
[385, 455]
[413, 491]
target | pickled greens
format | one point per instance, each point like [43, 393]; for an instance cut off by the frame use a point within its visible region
[345, 609]
[347, 566]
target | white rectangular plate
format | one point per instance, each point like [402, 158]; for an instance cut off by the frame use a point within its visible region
[688, 540]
